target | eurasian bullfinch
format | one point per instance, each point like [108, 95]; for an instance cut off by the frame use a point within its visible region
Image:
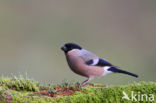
[88, 64]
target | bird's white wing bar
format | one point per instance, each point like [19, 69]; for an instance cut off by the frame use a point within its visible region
[95, 61]
[92, 62]
[98, 62]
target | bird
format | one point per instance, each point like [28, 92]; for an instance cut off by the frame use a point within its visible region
[88, 64]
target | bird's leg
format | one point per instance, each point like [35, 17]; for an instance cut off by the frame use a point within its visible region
[86, 81]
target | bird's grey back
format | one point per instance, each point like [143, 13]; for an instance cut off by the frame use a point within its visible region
[86, 55]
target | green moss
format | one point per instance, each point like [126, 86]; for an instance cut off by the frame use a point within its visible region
[19, 84]
[22, 90]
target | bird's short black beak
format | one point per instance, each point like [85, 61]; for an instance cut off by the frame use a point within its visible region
[64, 48]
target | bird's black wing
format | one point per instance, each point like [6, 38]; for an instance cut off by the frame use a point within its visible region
[99, 62]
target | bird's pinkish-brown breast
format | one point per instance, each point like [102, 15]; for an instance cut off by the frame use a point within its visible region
[78, 66]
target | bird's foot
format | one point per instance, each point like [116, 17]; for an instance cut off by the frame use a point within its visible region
[86, 82]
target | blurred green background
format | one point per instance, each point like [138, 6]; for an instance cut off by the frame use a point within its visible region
[121, 31]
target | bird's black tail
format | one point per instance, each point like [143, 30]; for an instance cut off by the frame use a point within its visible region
[116, 70]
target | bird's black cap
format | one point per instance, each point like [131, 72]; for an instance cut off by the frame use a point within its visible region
[70, 46]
